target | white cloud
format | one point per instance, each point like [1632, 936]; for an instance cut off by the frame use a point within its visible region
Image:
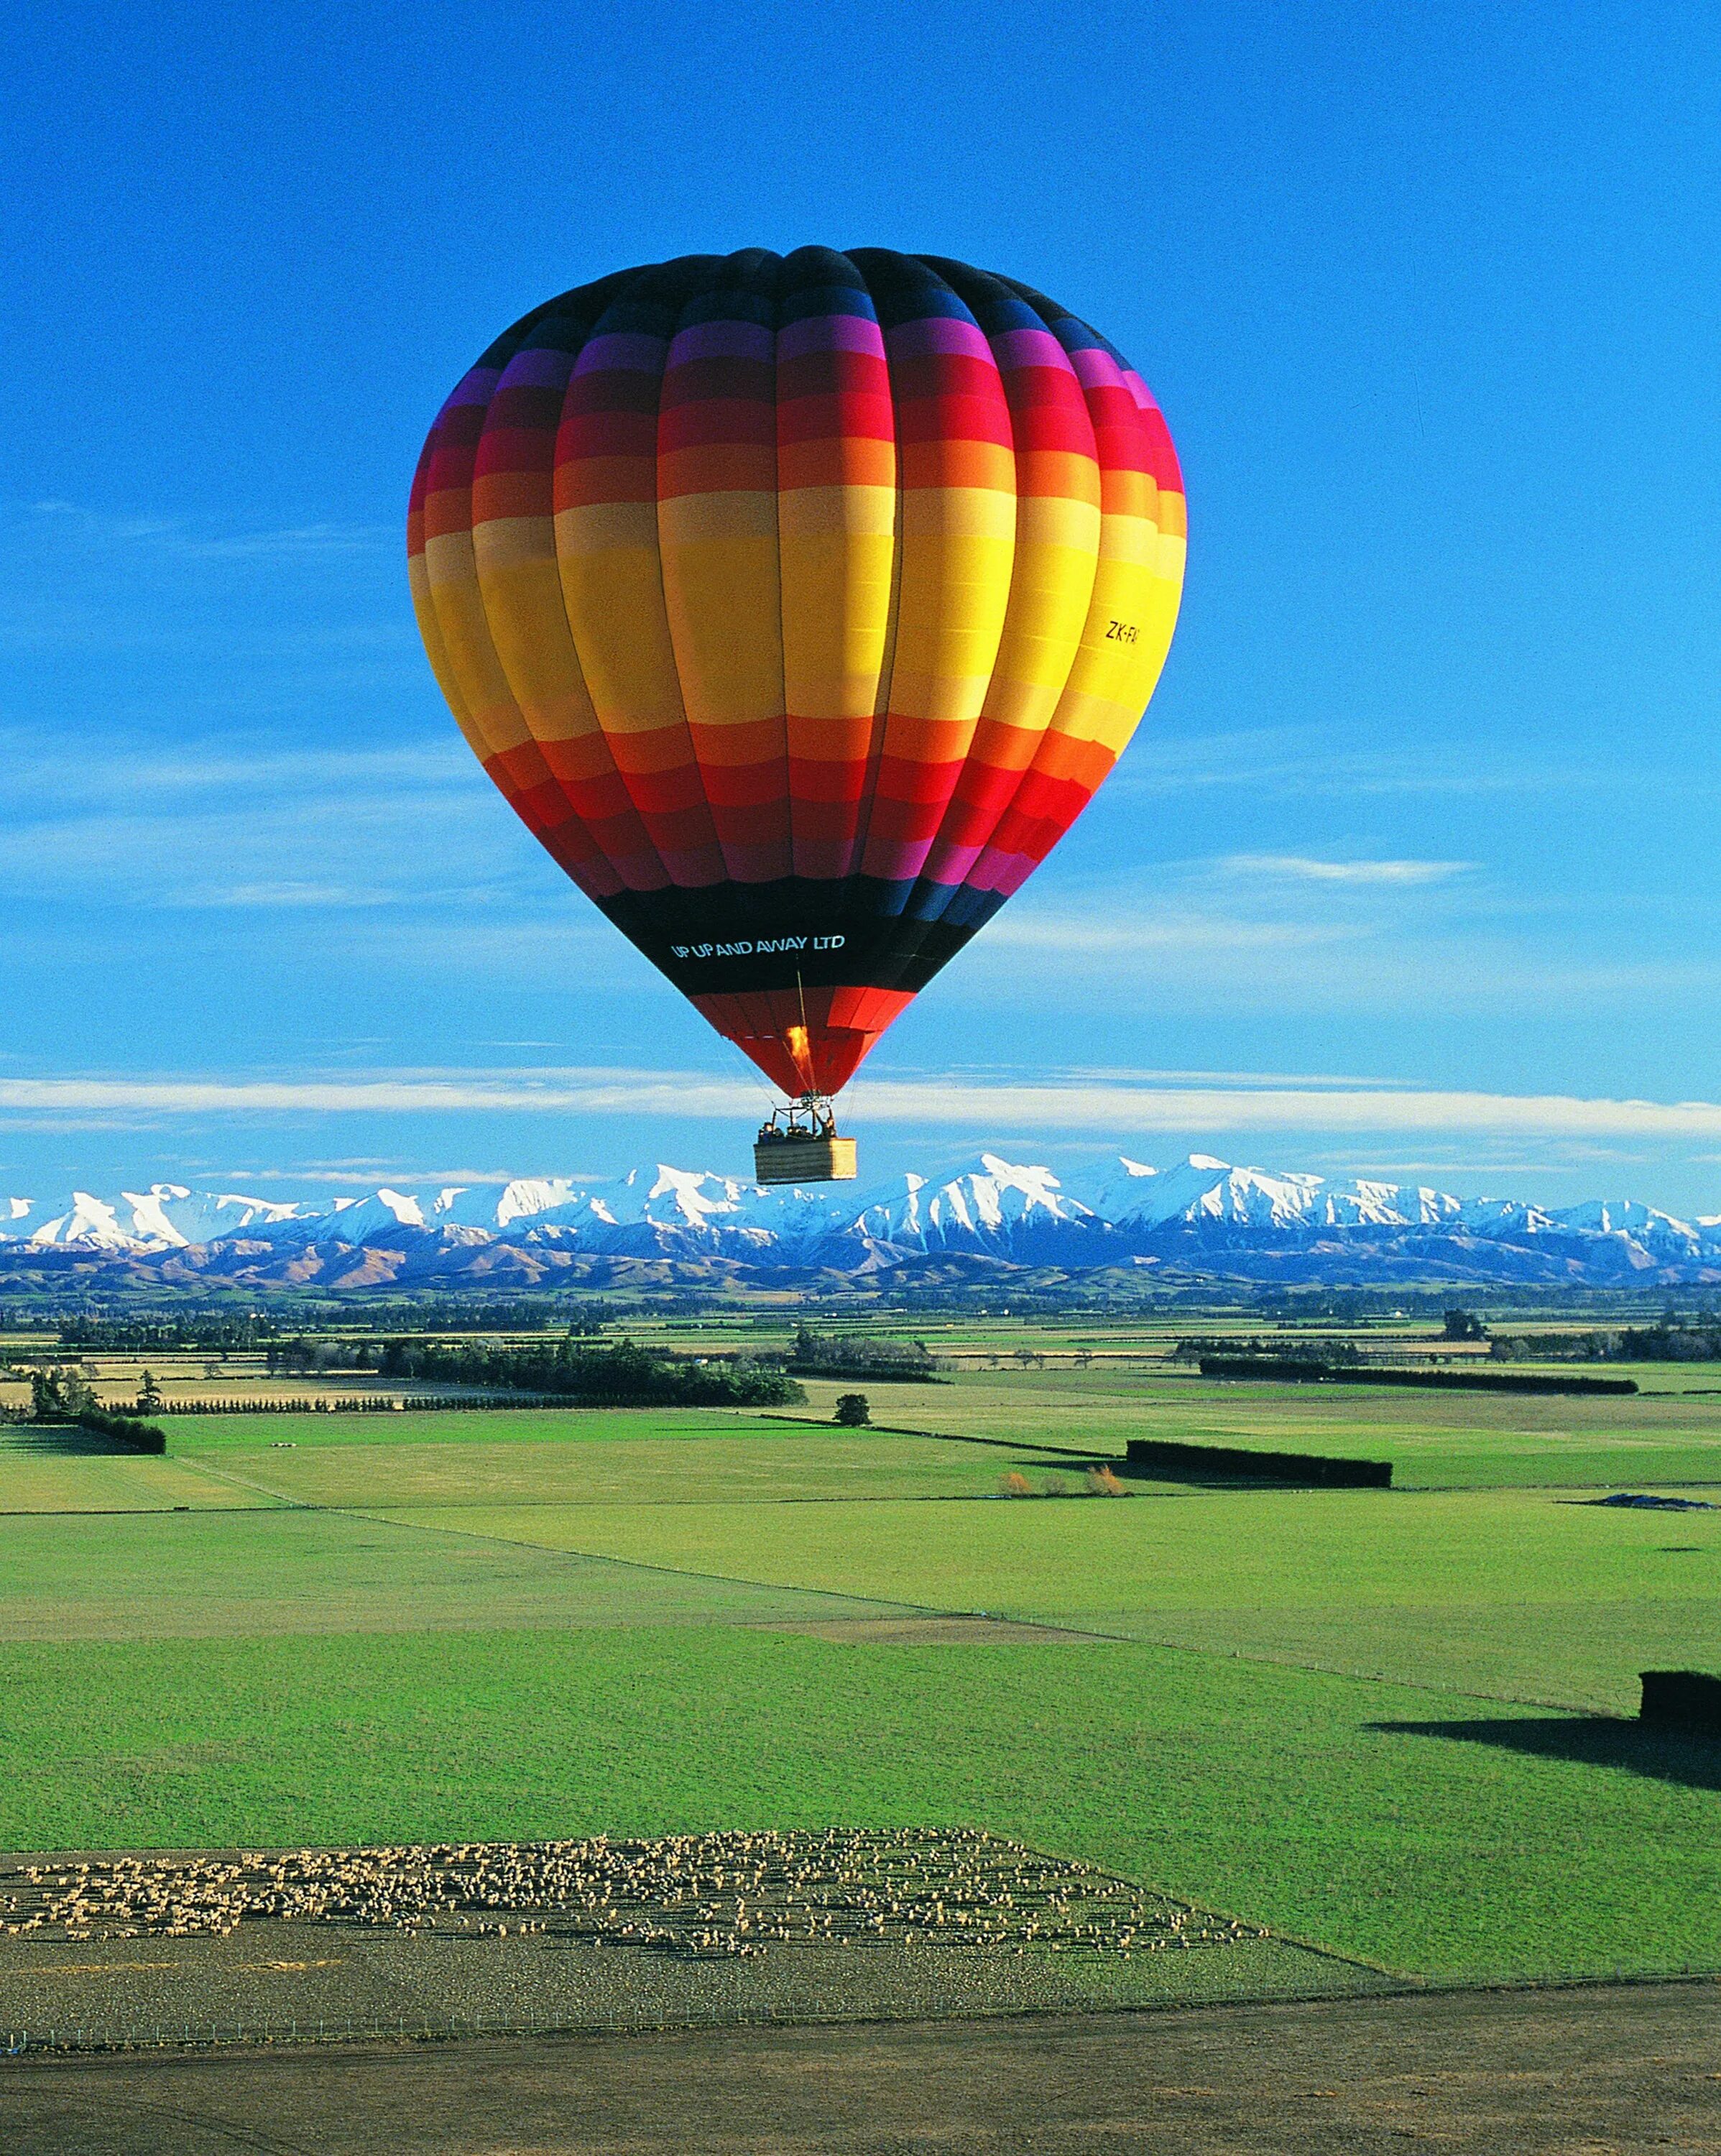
[366, 1178]
[41, 775]
[1335, 955]
[174, 536]
[1175, 936]
[1094, 1106]
[1302, 868]
[287, 893]
[1320, 761]
[1216, 1108]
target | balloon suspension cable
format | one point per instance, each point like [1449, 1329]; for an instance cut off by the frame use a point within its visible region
[755, 1077]
[813, 1115]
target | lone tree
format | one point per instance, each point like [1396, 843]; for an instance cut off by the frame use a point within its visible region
[1463, 1325]
[853, 1411]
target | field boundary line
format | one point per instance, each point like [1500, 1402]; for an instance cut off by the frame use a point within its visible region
[992, 1617]
[1371, 1677]
[597, 1556]
[735, 1579]
[282, 1500]
[945, 1437]
[381, 1518]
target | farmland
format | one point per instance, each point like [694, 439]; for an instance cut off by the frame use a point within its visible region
[1390, 1723]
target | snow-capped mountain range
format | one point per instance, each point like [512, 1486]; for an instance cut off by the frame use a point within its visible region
[1199, 1214]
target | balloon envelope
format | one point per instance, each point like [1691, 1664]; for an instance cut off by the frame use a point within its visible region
[798, 604]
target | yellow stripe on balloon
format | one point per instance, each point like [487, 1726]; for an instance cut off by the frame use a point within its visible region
[451, 576]
[958, 548]
[521, 583]
[613, 589]
[724, 605]
[1136, 589]
[1052, 588]
[837, 547]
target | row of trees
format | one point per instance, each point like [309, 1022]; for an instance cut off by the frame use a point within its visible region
[1272, 1347]
[105, 1336]
[571, 1368]
[1651, 1343]
[859, 1355]
[64, 1395]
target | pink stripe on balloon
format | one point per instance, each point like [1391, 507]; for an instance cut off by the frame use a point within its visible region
[694, 867]
[998, 871]
[722, 341]
[1030, 348]
[831, 333]
[950, 865]
[622, 352]
[476, 388]
[537, 369]
[1096, 369]
[895, 860]
[938, 333]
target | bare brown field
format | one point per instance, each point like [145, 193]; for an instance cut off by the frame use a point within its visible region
[1605, 2071]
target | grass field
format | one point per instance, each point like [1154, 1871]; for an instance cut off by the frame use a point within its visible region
[63, 1475]
[1435, 1834]
[1506, 1592]
[1308, 1708]
[1434, 1439]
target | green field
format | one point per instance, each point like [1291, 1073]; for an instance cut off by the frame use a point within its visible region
[1511, 1593]
[1435, 1439]
[1370, 1719]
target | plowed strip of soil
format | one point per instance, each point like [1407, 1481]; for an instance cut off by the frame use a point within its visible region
[1608, 2069]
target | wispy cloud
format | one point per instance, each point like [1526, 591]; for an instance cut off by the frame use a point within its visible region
[1171, 936]
[367, 1177]
[225, 824]
[1321, 760]
[1303, 867]
[288, 893]
[1332, 942]
[1096, 1106]
[43, 778]
[190, 541]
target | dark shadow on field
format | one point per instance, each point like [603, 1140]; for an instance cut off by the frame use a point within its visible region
[1592, 1740]
[65, 1440]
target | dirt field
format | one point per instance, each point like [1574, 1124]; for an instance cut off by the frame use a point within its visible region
[1595, 2072]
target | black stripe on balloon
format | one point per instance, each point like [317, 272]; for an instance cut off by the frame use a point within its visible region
[733, 939]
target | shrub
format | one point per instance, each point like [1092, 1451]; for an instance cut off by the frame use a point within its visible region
[125, 1429]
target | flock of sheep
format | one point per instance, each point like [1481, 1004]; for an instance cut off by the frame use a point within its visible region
[688, 1895]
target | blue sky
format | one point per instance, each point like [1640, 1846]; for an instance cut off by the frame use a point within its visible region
[1412, 869]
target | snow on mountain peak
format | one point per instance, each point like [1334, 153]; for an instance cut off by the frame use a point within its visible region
[88, 1221]
[525, 1200]
[1200, 1211]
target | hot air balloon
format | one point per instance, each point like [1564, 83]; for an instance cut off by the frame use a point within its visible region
[798, 604]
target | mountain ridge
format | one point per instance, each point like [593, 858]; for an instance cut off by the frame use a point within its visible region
[1200, 1213]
